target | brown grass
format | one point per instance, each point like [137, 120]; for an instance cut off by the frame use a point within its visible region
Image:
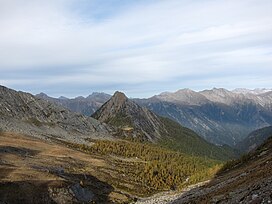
[28, 160]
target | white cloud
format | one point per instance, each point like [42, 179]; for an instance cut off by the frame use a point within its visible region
[148, 42]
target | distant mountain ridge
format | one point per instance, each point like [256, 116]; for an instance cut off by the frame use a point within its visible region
[218, 115]
[80, 104]
[252, 91]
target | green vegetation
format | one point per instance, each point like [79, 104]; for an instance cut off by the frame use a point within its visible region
[149, 168]
[120, 120]
[185, 140]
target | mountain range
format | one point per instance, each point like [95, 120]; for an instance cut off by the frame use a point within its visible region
[139, 123]
[119, 117]
[218, 115]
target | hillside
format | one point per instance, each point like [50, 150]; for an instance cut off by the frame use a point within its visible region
[38, 171]
[254, 139]
[218, 115]
[24, 113]
[247, 180]
[140, 124]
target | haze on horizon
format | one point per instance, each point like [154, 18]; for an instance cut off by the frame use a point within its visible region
[76, 47]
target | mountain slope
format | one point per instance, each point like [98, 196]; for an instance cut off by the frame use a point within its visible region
[218, 115]
[142, 124]
[86, 106]
[24, 113]
[254, 139]
[119, 111]
[246, 180]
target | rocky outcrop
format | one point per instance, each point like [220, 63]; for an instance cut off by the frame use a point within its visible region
[124, 114]
[24, 113]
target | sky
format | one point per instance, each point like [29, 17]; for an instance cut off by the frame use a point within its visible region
[141, 47]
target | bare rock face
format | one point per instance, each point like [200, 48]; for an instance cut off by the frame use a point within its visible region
[112, 107]
[123, 113]
[23, 112]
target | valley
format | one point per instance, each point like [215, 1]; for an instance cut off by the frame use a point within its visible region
[124, 153]
[135, 102]
[104, 172]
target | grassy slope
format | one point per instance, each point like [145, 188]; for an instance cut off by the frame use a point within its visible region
[185, 140]
[245, 180]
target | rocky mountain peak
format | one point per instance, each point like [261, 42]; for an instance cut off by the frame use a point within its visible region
[118, 102]
[220, 91]
[119, 97]
[183, 96]
[63, 98]
[125, 114]
[79, 98]
[96, 95]
[186, 90]
[42, 95]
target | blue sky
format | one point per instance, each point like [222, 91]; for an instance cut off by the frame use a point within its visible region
[141, 47]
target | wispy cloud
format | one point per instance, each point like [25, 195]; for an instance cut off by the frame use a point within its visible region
[141, 47]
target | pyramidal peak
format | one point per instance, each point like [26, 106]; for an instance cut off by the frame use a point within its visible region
[119, 95]
[118, 98]
[113, 106]
[122, 112]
